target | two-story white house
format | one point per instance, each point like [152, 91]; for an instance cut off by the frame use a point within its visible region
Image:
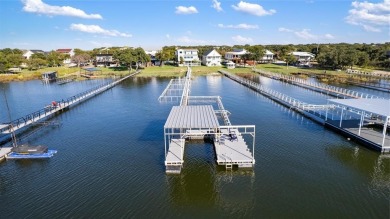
[187, 57]
[268, 56]
[28, 53]
[69, 52]
[303, 58]
[211, 58]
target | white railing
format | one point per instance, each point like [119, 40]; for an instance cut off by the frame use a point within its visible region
[287, 100]
[336, 91]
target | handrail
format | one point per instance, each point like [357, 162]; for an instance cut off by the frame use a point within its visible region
[39, 114]
[320, 86]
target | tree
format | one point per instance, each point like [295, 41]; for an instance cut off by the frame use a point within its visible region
[290, 58]
[166, 54]
[35, 63]
[81, 58]
[125, 57]
[54, 58]
[257, 52]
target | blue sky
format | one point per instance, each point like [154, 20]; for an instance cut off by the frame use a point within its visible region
[151, 24]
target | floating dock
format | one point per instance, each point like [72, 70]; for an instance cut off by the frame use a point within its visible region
[186, 122]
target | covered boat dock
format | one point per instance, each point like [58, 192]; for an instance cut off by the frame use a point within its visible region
[363, 120]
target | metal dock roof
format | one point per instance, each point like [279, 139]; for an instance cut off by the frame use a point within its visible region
[192, 117]
[376, 106]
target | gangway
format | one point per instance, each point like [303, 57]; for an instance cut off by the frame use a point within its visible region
[56, 106]
[319, 87]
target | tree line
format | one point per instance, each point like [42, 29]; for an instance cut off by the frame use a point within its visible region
[332, 56]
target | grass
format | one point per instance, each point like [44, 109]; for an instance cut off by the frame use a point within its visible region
[292, 69]
[165, 71]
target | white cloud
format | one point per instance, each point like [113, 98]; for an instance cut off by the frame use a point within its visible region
[370, 16]
[188, 40]
[241, 39]
[253, 9]
[217, 5]
[97, 30]
[37, 6]
[186, 10]
[239, 26]
[304, 34]
[329, 36]
[99, 44]
[370, 28]
[282, 29]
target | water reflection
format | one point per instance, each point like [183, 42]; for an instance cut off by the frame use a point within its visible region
[204, 185]
[370, 164]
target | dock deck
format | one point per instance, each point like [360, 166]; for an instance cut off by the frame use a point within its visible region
[174, 159]
[4, 151]
[231, 149]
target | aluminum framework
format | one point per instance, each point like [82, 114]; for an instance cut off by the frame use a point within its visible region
[370, 111]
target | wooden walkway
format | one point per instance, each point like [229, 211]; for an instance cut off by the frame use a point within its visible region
[15, 125]
[318, 87]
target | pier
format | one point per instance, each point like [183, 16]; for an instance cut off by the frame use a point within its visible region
[66, 79]
[319, 87]
[196, 118]
[339, 114]
[56, 106]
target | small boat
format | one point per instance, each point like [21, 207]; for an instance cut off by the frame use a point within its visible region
[27, 151]
[30, 152]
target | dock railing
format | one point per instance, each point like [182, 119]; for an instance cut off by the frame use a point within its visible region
[307, 109]
[57, 106]
[324, 88]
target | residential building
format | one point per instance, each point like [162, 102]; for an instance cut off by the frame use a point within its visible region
[235, 55]
[211, 58]
[303, 58]
[69, 52]
[152, 55]
[103, 60]
[268, 56]
[187, 57]
[28, 53]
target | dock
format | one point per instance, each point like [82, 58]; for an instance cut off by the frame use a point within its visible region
[4, 151]
[348, 117]
[318, 87]
[186, 122]
[57, 106]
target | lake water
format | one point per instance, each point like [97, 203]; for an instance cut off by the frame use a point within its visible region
[110, 160]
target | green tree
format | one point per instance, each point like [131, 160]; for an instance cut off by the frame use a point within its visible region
[289, 59]
[35, 63]
[125, 57]
[257, 52]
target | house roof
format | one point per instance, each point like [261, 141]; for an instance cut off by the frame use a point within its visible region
[267, 52]
[208, 52]
[238, 52]
[64, 50]
[37, 51]
[303, 54]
